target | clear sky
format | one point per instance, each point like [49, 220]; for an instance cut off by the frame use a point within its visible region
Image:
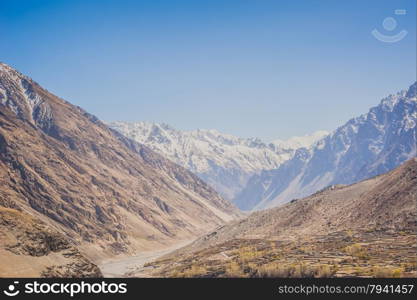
[270, 69]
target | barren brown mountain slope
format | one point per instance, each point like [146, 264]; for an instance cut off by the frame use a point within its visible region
[387, 201]
[107, 194]
[365, 229]
[30, 249]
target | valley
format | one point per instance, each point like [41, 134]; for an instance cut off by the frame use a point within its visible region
[274, 142]
[84, 198]
[129, 266]
[339, 254]
[367, 229]
[106, 194]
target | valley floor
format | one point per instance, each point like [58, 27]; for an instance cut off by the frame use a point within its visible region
[371, 253]
[126, 267]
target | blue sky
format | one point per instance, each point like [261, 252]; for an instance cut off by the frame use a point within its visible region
[270, 69]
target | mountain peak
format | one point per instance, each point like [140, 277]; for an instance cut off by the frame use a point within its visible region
[412, 91]
[390, 101]
[5, 68]
[3, 65]
[24, 97]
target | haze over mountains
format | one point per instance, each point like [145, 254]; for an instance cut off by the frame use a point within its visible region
[224, 161]
[104, 192]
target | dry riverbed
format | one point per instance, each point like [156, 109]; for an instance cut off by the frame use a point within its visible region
[126, 267]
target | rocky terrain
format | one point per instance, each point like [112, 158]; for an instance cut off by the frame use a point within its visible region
[370, 253]
[29, 248]
[107, 194]
[366, 146]
[224, 161]
[365, 229]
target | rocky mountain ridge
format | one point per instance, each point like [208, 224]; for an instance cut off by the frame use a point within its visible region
[366, 146]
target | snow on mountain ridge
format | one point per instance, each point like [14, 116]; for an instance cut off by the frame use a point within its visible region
[224, 161]
[305, 141]
[195, 148]
[366, 146]
[13, 86]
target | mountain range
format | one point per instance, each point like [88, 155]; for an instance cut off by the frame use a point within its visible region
[371, 144]
[77, 192]
[106, 194]
[224, 161]
[256, 175]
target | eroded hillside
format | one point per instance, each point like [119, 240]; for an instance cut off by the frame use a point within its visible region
[365, 229]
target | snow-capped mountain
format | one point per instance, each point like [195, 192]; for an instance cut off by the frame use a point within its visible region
[224, 161]
[297, 142]
[366, 146]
